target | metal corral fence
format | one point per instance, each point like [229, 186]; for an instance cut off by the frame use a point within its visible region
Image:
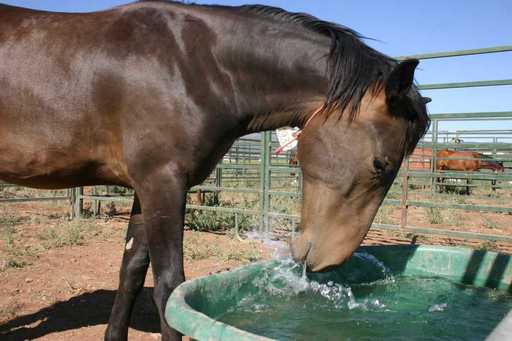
[32, 195]
[253, 187]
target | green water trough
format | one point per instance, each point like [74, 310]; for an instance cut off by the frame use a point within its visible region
[194, 307]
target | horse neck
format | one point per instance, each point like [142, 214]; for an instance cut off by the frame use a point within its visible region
[279, 83]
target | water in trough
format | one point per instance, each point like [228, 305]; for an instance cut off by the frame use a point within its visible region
[365, 301]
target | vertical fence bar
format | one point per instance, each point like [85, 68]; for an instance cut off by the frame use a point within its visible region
[264, 175]
[71, 195]
[268, 178]
[218, 183]
[433, 168]
[405, 194]
[96, 204]
[262, 182]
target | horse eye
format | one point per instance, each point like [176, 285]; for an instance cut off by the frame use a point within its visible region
[379, 166]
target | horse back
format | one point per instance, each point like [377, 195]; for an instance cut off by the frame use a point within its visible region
[68, 85]
[98, 97]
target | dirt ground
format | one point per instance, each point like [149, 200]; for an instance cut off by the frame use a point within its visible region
[58, 278]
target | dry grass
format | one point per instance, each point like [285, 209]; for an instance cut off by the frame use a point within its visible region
[195, 247]
[434, 215]
[384, 215]
[23, 237]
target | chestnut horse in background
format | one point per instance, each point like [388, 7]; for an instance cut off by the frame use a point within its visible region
[468, 161]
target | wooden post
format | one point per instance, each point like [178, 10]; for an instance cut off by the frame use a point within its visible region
[71, 196]
[405, 195]
[96, 204]
[77, 202]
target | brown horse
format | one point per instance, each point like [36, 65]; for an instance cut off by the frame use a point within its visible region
[151, 95]
[467, 161]
[421, 159]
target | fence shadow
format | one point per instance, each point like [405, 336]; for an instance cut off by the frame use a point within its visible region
[84, 310]
[495, 272]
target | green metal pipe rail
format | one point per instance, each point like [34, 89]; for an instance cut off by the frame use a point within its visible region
[252, 159]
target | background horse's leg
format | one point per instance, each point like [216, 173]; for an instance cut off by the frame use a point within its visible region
[163, 202]
[440, 185]
[132, 275]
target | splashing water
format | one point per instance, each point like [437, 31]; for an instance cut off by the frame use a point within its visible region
[289, 278]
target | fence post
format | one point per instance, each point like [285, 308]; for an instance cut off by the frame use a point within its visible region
[405, 195]
[264, 179]
[77, 202]
[96, 204]
[218, 183]
[433, 168]
[71, 196]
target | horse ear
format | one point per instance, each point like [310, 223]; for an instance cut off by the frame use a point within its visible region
[401, 79]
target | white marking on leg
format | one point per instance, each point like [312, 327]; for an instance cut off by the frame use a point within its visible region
[129, 244]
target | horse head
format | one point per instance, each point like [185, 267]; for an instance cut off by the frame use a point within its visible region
[501, 167]
[349, 163]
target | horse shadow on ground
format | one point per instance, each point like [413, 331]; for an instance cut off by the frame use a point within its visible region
[87, 309]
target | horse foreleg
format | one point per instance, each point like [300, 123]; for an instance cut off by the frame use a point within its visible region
[163, 202]
[131, 277]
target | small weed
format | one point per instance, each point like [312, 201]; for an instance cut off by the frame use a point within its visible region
[459, 199]
[206, 220]
[487, 245]
[244, 256]
[8, 229]
[193, 249]
[7, 235]
[384, 215]
[453, 217]
[16, 264]
[67, 234]
[394, 193]
[12, 220]
[120, 190]
[11, 310]
[434, 215]
[489, 223]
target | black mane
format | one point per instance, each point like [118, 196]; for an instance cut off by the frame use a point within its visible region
[353, 67]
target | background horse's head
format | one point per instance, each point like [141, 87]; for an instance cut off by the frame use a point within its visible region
[350, 156]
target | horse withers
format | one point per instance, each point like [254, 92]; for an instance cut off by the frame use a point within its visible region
[152, 94]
